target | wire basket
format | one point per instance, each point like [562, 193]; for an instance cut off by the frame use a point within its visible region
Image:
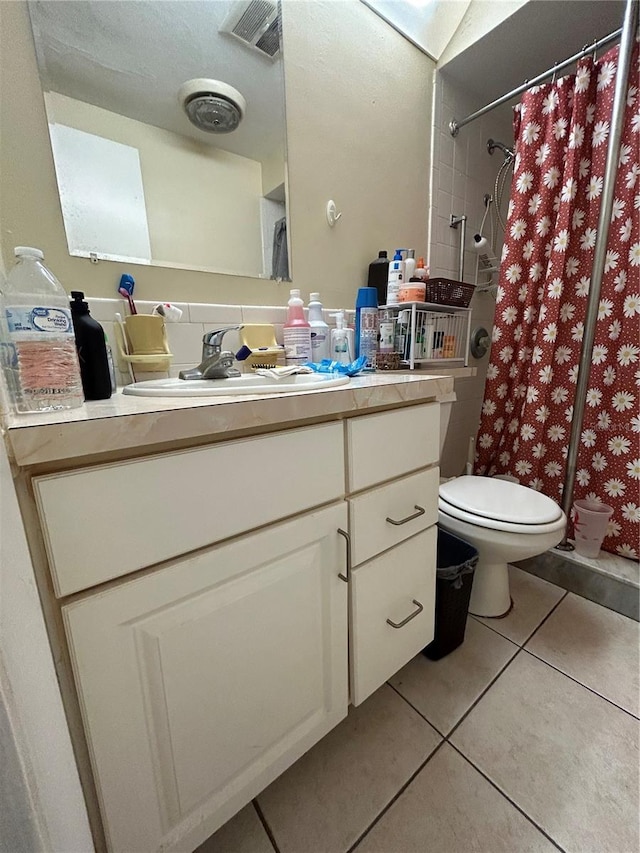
[446, 291]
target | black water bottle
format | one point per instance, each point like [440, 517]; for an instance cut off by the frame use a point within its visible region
[379, 275]
[92, 350]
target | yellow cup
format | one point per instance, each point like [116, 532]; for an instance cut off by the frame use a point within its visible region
[146, 334]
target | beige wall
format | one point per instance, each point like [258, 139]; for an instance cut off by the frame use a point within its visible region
[202, 212]
[358, 117]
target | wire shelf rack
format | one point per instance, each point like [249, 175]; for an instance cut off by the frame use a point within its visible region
[429, 333]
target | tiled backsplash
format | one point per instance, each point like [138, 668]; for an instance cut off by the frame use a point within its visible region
[185, 336]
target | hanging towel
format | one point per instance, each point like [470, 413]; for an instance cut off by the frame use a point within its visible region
[280, 261]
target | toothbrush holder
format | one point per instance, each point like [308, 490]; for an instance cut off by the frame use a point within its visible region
[146, 346]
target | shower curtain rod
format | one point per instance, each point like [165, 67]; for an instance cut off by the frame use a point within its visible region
[455, 125]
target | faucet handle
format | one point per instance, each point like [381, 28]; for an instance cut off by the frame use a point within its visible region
[214, 338]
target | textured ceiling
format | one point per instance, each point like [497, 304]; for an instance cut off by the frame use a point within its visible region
[131, 58]
[529, 42]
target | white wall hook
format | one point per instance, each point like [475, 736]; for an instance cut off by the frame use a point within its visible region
[332, 213]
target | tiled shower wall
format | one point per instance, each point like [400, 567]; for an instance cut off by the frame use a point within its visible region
[463, 172]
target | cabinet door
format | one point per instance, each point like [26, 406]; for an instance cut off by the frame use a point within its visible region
[392, 612]
[201, 682]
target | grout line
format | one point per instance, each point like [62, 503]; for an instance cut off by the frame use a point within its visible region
[586, 686]
[553, 609]
[386, 808]
[265, 825]
[481, 619]
[507, 797]
[413, 707]
[484, 692]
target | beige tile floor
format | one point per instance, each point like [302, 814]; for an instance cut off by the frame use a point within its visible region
[523, 739]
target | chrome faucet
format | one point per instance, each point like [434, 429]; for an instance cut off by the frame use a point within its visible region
[216, 363]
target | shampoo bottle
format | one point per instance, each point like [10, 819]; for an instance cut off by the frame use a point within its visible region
[379, 276]
[92, 350]
[320, 337]
[296, 332]
[341, 341]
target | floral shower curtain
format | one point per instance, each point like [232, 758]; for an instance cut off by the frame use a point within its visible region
[561, 132]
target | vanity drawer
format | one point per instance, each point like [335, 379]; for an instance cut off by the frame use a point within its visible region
[387, 589]
[386, 445]
[411, 502]
[104, 522]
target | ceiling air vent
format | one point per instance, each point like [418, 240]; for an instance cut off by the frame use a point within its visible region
[255, 24]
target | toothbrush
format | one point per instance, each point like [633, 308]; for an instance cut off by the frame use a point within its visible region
[125, 288]
[125, 345]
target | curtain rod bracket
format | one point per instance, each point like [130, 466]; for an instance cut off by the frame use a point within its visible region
[454, 127]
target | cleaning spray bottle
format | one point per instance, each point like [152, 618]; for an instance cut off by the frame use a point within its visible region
[367, 326]
[320, 337]
[342, 341]
[296, 332]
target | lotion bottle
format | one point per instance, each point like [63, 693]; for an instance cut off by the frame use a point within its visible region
[410, 265]
[396, 277]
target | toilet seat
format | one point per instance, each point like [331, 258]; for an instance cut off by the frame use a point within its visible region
[499, 505]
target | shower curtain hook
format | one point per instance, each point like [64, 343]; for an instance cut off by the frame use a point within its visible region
[555, 71]
[594, 55]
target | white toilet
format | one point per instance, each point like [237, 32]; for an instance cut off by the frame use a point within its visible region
[504, 521]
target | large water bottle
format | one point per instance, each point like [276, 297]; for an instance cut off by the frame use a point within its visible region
[38, 345]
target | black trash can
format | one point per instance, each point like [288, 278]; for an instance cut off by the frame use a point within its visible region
[455, 565]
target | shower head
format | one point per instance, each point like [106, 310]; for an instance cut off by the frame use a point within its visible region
[492, 145]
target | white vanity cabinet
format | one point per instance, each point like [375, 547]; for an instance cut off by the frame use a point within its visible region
[201, 682]
[225, 603]
[393, 540]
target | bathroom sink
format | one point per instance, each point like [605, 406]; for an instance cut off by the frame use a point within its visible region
[246, 384]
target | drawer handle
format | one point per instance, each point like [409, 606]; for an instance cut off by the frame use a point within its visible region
[420, 510]
[409, 617]
[347, 538]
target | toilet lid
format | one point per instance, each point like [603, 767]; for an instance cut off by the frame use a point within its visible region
[500, 500]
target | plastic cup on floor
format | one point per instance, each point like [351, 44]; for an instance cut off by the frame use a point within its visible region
[590, 520]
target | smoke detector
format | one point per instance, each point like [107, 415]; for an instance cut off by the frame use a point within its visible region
[211, 105]
[255, 24]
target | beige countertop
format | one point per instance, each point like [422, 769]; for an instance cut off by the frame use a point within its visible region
[126, 424]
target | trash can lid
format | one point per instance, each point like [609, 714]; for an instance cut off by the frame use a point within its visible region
[500, 500]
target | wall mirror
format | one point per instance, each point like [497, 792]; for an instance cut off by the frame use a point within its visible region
[137, 180]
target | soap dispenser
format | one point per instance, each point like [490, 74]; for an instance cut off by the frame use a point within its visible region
[341, 341]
